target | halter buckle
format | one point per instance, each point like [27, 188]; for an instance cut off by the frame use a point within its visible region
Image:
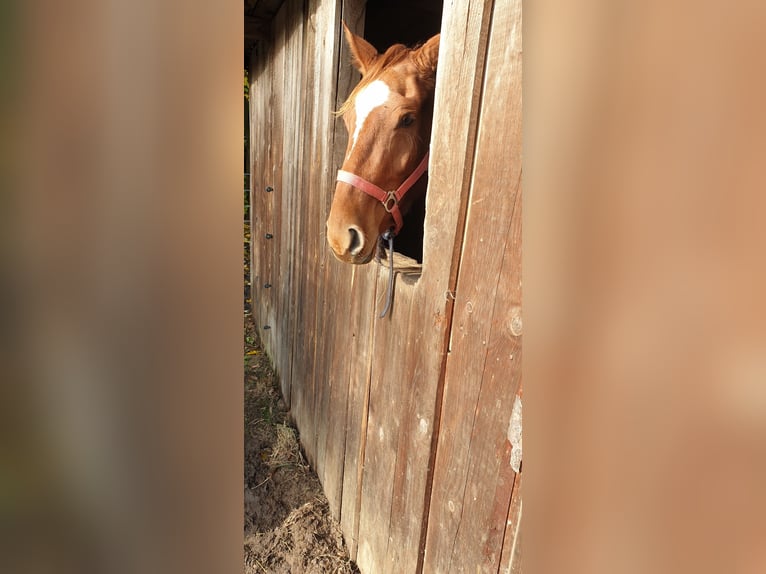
[391, 201]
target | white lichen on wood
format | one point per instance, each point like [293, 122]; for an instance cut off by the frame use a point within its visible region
[514, 435]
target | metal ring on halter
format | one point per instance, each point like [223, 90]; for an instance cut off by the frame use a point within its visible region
[391, 197]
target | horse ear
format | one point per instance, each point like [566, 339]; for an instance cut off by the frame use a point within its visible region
[363, 52]
[427, 56]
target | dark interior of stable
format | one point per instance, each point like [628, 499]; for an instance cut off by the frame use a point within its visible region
[406, 22]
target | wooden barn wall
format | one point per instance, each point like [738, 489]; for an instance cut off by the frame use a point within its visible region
[405, 418]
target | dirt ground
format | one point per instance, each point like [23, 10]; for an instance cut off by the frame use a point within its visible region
[288, 527]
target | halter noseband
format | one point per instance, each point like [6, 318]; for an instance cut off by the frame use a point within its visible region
[389, 199]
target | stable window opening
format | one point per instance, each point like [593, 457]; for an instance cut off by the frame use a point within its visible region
[408, 22]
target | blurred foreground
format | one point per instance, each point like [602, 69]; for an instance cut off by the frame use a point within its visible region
[120, 288]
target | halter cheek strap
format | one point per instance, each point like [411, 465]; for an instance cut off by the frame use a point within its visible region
[389, 199]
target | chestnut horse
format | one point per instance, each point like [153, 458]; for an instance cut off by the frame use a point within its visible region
[388, 117]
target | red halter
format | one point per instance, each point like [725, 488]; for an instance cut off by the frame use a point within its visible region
[389, 199]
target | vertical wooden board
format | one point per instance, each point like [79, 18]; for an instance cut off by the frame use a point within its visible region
[385, 418]
[333, 295]
[299, 263]
[363, 316]
[257, 62]
[256, 174]
[326, 307]
[331, 433]
[362, 304]
[325, 78]
[289, 191]
[331, 407]
[472, 479]
[462, 51]
[328, 274]
[323, 290]
[510, 561]
[408, 350]
[419, 381]
[281, 195]
[258, 242]
[277, 196]
[490, 479]
[306, 357]
[346, 340]
[304, 264]
[324, 281]
[406, 485]
[284, 198]
[415, 381]
[346, 396]
[319, 322]
[354, 332]
[263, 204]
[334, 395]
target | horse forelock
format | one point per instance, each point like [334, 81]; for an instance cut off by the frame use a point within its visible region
[394, 55]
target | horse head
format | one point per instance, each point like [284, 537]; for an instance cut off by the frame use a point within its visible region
[388, 117]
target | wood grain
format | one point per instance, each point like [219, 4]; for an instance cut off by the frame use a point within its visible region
[331, 433]
[410, 346]
[303, 263]
[473, 480]
[396, 423]
[510, 561]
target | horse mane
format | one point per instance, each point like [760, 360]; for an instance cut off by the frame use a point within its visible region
[392, 56]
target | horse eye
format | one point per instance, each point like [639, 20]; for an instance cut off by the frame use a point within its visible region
[407, 120]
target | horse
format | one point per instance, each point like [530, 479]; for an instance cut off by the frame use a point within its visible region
[388, 117]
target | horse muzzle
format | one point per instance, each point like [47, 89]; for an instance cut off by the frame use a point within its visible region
[350, 244]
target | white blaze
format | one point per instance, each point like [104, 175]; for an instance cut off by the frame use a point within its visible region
[367, 100]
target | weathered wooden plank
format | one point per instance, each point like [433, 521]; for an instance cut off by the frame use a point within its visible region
[262, 210]
[393, 542]
[326, 292]
[338, 332]
[273, 245]
[464, 36]
[510, 561]
[363, 316]
[473, 480]
[380, 377]
[256, 175]
[257, 63]
[291, 17]
[333, 294]
[334, 390]
[312, 352]
[387, 411]
[303, 263]
[418, 397]
[489, 478]
[334, 305]
[362, 289]
[263, 94]
[332, 407]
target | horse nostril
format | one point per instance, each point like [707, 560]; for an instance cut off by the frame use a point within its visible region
[355, 243]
